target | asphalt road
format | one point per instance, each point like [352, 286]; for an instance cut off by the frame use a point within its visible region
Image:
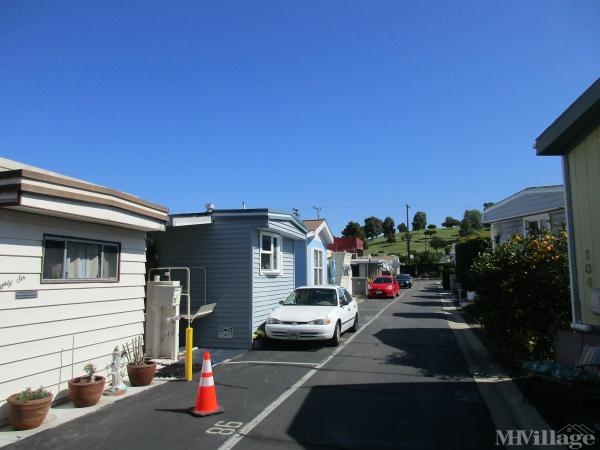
[399, 383]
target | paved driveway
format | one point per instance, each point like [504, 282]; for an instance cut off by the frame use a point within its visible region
[400, 382]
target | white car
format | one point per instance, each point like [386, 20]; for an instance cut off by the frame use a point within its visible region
[314, 313]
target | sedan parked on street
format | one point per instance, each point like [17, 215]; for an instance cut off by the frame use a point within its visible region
[404, 280]
[314, 313]
[383, 286]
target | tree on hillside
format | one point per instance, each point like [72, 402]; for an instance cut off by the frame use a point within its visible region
[429, 233]
[353, 229]
[402, 228]
[471, 222]
[373, 227]
[450, 222]
[465, 228]
[431, 226]
[437, 243]
[419, 221]
[389, 229]
[474, 217]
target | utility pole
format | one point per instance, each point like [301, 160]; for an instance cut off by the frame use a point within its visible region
[407, 234]
[318, 209]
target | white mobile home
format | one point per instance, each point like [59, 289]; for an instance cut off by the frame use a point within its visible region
[72, 275]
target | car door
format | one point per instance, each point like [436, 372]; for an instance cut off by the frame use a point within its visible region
[346, 315]
[352, 303]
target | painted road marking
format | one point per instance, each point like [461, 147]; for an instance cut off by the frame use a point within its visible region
[224, 428]
[282, 363]
[240, 434]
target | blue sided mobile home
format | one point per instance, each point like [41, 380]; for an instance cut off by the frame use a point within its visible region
[250, 261]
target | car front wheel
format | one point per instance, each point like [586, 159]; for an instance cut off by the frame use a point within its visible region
[337, 336]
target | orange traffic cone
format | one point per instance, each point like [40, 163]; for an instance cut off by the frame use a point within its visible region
[206, 399]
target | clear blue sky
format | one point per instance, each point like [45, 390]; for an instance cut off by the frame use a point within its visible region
[358, 107]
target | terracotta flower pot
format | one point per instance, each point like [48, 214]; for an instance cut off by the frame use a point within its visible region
[141, 374]
[27, 414]
[83, 393]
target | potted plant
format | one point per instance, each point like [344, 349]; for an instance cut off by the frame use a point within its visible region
[139, 369]
[27, 409]
[86, 390]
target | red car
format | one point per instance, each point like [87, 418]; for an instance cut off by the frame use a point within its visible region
[384, 286]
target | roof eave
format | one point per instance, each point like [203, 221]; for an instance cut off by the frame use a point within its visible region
[575, 122]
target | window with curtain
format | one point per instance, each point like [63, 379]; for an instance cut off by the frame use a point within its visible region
[270, 254]
[69, 259]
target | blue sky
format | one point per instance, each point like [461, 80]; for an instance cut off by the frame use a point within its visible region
[355, 106]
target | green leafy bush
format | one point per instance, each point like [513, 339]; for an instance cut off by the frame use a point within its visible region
[523, 294]
[467, 251]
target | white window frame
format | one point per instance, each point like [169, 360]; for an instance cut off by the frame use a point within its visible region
[279, 269]
[66, 240]
[537, 218]
[320, 267]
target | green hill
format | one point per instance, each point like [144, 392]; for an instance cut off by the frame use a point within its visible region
[418, 242]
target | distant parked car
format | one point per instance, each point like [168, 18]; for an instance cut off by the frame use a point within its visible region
[314, 313]
[383, 286]
[405, 280]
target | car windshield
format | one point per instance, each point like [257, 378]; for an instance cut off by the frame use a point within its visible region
[311, 297]
[382, 280]
[403, 277]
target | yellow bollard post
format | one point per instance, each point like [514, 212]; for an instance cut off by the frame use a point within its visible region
[189, 339]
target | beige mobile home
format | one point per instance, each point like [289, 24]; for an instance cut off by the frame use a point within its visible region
[72, 275]
[575, 135]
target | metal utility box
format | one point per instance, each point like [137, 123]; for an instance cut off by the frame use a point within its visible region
[162, 319]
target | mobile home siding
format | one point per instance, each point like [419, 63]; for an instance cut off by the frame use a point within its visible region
[315, 244]
[269, 290]
[584, 166]
[300, 263]
[287, 228]
[558, 221]
[48, 339]
[508, 228]
[223, 247]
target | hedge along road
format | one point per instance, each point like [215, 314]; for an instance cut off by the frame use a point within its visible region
[399, 382]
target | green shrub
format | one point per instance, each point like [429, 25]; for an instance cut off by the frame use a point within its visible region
[446, 271]
[523, 294]
[467, 251]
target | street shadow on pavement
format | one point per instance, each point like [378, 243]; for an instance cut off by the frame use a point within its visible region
[424, 304]
[292, 346]
[428, 297]
[432, 351]
[425, 315]
[421, 415]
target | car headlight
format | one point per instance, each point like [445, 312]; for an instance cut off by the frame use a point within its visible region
[272, 320]
[389, 288]
[320, 322]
